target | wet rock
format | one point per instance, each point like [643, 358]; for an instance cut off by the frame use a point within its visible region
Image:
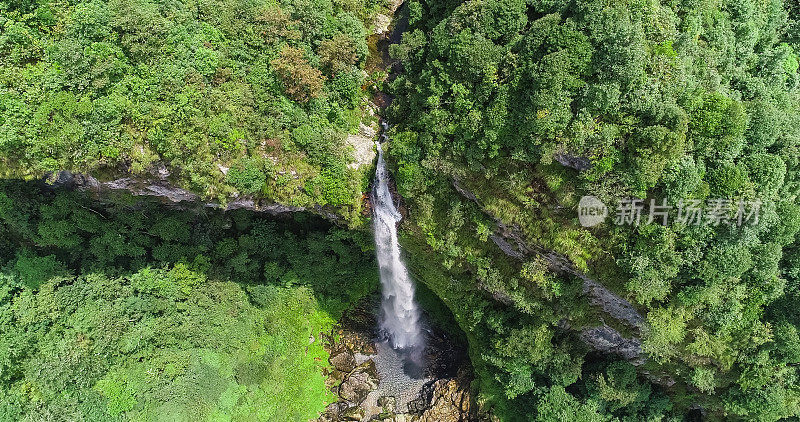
[358, 341]
[382, 100]
[337, 376]
[354, 413]
[359, 383]
[333, 412]
[450, 403]
[388, 404]
[446, 400]
[381, 392]
[366, 348]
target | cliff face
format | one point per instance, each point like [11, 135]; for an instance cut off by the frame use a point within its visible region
[159, 187]
[602, 338]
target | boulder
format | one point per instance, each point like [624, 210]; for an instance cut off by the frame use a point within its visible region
[449, 402]
[446, 400]
[358, 342]
[359, 383]
[333, 412]
[354, 413]
[342, 359]
[363, 144]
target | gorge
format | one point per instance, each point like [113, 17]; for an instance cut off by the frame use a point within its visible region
[201, 217]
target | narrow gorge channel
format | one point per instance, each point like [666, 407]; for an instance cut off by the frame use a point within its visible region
[393, 361]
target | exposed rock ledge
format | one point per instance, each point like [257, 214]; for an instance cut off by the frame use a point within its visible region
[573, 161]
[363, 144]
[602, 338]
[609, 340]
[158, 186]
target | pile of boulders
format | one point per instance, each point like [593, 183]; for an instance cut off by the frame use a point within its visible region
[355, 380]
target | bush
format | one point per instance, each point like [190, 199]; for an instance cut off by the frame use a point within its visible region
[247, 176]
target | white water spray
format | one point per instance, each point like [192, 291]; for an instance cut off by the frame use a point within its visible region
[400, 313]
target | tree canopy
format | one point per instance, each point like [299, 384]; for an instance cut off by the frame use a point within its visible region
[111, 88]
[526, 106]
[130, 311]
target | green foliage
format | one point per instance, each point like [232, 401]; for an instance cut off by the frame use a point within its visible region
[33, 270]
[558, 405]
[208, 353]
[246, 176]
[511, 111]
[157, 327]
[114, 88]
[120, 398]
[507, 112]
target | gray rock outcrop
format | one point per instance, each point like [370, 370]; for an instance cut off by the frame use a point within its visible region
[359, 383]
[608, 340]
[573, 161]
[604, 339]
[158, 186]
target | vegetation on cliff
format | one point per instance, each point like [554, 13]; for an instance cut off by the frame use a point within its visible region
[507, 113]
[235, 97]
[527, 106]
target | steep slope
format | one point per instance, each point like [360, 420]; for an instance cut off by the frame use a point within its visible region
[223, 99]
[509, 112]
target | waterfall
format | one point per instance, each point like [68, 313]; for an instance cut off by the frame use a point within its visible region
[400, 314]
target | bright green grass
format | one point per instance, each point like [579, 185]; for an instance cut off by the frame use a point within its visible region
[99, 348]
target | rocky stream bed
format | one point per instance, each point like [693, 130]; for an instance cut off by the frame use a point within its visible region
[374, 382]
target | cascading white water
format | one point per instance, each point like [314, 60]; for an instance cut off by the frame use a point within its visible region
[400, 313]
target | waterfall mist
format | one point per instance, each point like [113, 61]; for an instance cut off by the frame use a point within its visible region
[400, 316]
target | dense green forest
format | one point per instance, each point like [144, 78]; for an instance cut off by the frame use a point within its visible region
[235, 97]
[526, 106]
[132, 309]
[505, 114]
